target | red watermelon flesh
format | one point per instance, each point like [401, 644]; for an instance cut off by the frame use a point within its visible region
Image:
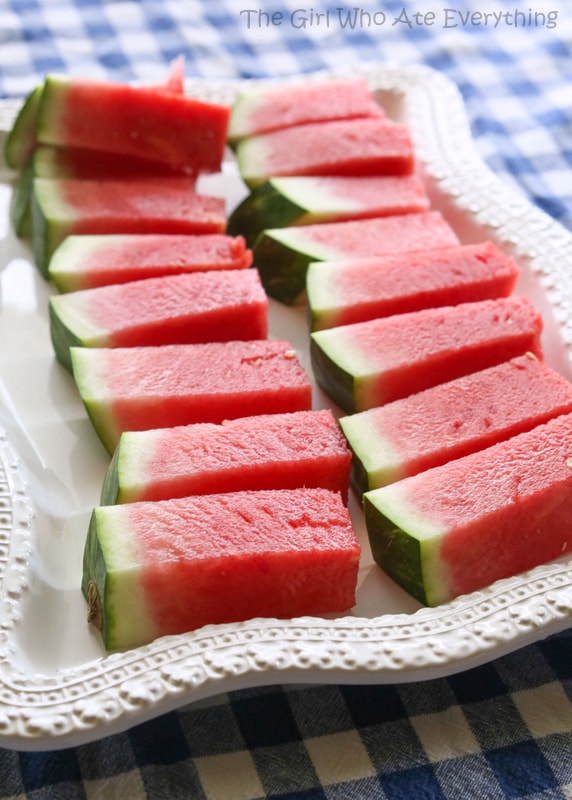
[268, 108]
[493, 514]
[68, 206]
[348, 147]
[363, 196]
[371, 363]
[167, 567]
[73, 162]
[138, 388]
[268, 451]
[382, 235]
[343, 292]
[141, 122]
[199, 307]
[453, 419]
[84, 261]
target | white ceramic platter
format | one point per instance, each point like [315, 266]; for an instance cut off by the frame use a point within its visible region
[58, 686]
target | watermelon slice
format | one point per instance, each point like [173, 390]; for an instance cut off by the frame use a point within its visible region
[84, 262]
[452, 419]
[281, 202]
[174, 309]
[343, 292]
[59, 162]
[63, 207]
[133, 121]
[268, 451]
[167, 567]
[21, 139]
[138, 388]
[459, 527]
[268, 108]
[366, 146]
[367, 364]
[282, 255]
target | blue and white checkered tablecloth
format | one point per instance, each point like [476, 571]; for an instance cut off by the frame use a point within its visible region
[503, 730]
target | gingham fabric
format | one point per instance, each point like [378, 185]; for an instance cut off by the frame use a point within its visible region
[503, 730]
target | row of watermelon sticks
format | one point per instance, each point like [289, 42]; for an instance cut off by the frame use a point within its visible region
[460, 434]
[399, 310]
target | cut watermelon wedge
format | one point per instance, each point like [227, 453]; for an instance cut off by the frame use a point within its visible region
[281, 202]
[268, 108]
[21, 139]
[60, 162]
[216, 306]
[85, 262]
[139, 388]
[268, 451]
[367, 146]
[343, 292]
[367, 364]
[64, 207]
[167, 567]
[133, 121]
[282, 255]
[452, 419]
[459, 527]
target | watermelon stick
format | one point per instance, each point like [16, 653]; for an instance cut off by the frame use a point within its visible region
[22, 140]
[452, 419]
[141, 122]
[214, 306]
[493, 514]
[171, 566]
[61, 207]
[281, 202]
[86, 261]
[129, 388]
[367, 364]
[266, 451]
[266, 108]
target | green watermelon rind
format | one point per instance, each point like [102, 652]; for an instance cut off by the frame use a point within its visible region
[21, 139]
[94, 574]
[282, 257]
[286, 201]
[20, 203]
[250, 159]
[110, 565]
[369, 469]
[110, 485]
[343, 372]
[265, 207]
[84, 371]
[127, 460]
[410, 559]
[338, 383]
[48, 230]
[74, 249]
[245, 103]
[69, 329]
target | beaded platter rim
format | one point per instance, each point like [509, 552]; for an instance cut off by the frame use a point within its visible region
[88, 701]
